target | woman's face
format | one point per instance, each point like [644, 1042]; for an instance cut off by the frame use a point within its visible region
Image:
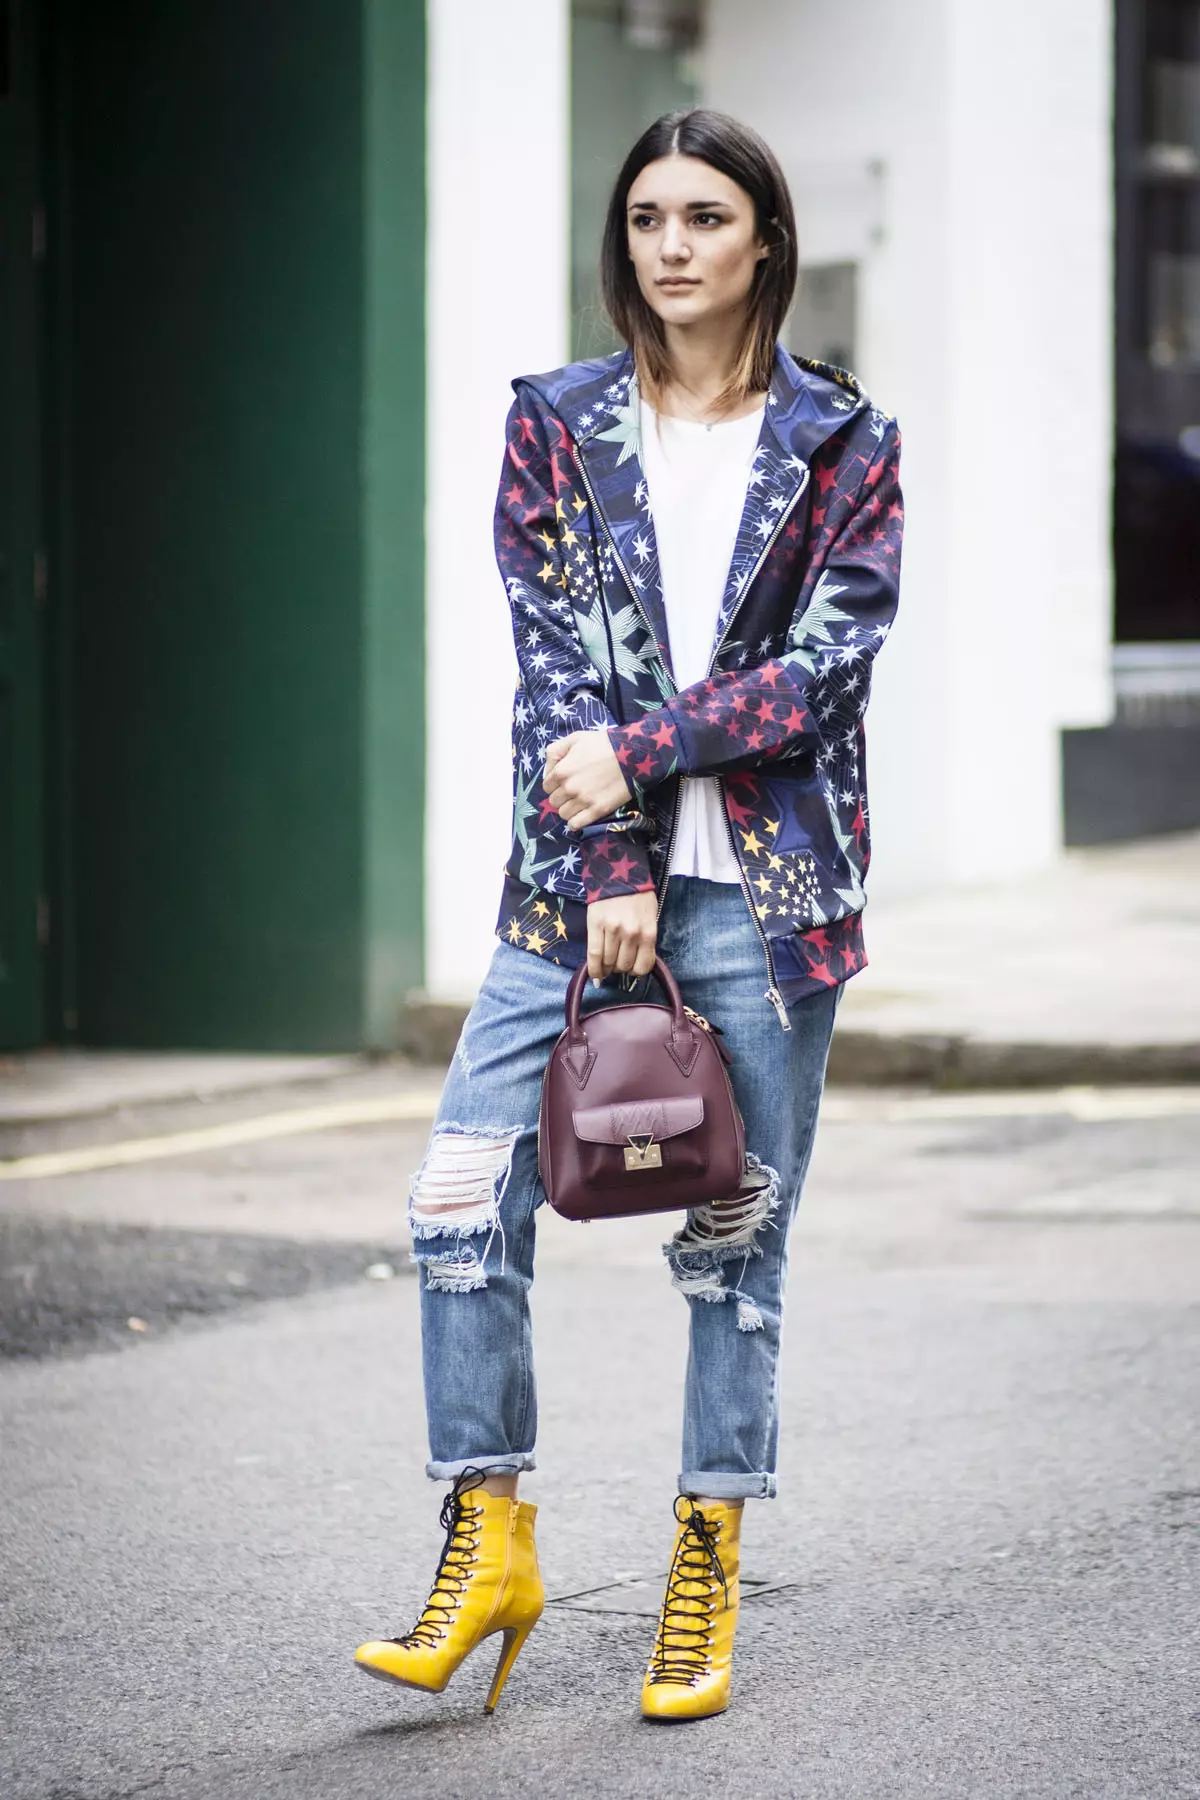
[692, 240]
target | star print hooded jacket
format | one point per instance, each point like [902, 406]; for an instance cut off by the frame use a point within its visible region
[809, 599]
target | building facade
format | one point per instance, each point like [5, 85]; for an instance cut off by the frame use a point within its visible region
[267, 279]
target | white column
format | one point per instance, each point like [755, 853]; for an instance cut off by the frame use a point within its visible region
[497, 278]
[960, 153]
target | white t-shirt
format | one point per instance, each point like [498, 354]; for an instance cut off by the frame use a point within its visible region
[697, 475]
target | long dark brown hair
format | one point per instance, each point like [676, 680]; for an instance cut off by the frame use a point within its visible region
[738, 152]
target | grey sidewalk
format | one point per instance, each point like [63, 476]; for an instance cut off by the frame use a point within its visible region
[1088, 973]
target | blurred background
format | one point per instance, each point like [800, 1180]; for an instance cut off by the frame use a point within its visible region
[266, 273]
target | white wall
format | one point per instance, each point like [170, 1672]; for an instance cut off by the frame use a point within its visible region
[498, 306]
[961, 152]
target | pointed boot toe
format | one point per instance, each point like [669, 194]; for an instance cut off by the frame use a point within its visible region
[487, 1584]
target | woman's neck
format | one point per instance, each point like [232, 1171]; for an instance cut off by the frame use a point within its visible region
[702, 365]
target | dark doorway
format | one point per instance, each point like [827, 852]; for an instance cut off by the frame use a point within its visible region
[24, 917]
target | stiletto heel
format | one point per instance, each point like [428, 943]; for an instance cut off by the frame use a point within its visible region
[514, 1643]
[487, 1582]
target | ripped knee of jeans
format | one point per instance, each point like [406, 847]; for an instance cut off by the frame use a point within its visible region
[454, 1204]
[721, 1233]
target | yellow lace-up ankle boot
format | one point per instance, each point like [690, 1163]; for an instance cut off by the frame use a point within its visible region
[688, 1674]
[487, 1581]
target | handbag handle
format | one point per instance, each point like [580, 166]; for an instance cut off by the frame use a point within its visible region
[685, 1043]
[661, 974]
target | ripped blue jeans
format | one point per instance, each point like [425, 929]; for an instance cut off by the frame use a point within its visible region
[475, 1196]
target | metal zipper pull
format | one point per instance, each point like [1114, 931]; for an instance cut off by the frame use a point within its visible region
[776, 998]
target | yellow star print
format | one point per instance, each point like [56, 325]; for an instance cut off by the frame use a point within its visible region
[771, 825]
[535, 942]
[547, 572]
[540, 908]
[754, 844]
[546, 538]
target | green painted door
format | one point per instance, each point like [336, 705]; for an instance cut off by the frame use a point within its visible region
[22, 566]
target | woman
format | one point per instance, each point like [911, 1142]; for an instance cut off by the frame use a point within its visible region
[700, 538]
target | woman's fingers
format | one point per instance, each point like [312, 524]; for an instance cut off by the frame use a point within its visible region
[581, 774]
[627, 955]
[622, 933]
[645, 959]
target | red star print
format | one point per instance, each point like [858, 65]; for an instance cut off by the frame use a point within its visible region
[741, 814]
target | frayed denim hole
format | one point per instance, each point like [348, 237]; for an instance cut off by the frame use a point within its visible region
[721, 1232]
[455, 1197]
[456, 1271]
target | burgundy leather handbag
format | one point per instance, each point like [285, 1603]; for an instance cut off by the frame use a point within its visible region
[638, 1114]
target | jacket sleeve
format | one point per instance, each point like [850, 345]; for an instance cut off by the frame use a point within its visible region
[542, 559]
[741, 719]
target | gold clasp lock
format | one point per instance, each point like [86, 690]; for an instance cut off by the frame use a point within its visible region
[643, 1153]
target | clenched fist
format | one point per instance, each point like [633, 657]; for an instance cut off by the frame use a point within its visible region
[583, 778]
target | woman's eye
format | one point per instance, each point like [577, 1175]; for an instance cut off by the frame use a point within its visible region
[707, 219]
[642, 220]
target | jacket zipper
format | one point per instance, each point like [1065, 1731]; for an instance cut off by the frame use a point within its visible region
[772, 994]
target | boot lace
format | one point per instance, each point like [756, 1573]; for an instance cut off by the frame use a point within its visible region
[459, 1555]
[685, 1629]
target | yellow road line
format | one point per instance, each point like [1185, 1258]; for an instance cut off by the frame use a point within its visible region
[387, 1109]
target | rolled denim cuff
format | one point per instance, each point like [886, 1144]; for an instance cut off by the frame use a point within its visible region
[509, 1462]
[715, 1486]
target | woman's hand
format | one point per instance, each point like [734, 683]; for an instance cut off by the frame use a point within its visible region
[583, 779]
[622, 933]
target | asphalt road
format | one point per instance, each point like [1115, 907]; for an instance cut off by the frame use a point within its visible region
[981, 1577]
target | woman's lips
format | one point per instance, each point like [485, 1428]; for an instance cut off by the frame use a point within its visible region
[677, 281]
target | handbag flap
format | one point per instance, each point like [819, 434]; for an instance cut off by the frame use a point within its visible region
[623, 1120]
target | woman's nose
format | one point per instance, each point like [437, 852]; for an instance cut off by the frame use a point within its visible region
[675, 247]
